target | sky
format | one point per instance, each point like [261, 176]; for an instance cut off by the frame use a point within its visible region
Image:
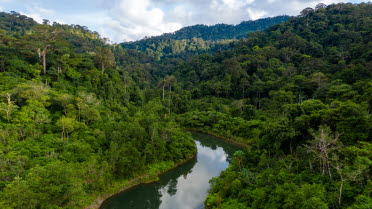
[129, 20]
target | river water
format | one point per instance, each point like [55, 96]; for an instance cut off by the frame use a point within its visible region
[184, 187]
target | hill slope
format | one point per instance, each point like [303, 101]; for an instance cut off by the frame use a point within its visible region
[69, 113]
[80, 119]
[199, 39]
[224, 31]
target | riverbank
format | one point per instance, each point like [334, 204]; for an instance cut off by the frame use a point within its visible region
[122, 186]
[229, 140]
[127, 184]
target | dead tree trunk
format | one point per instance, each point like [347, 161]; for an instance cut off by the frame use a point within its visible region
[8, 98]
[43, 54]
[103, 68]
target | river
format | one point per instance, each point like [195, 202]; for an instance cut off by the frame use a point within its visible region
[184, 187]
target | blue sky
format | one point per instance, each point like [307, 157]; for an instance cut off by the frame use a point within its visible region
[127, 20]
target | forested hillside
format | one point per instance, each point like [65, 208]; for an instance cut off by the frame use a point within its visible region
[224, 31]
[79, 117]
[199, 39]
[15, 22]
[74, 124]
[300, 94]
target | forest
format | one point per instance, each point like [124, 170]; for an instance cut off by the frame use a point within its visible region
[79, 117]
[199, 39]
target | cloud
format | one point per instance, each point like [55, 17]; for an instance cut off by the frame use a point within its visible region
[236, 4]
[256, 14]
[38, 13]
[130, 20]
[192, 189]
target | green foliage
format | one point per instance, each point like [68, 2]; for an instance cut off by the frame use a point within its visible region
[199, 39]
[295, 85]
[299, 94]
[69, 133]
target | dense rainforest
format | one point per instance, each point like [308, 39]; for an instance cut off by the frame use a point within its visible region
[80, 117]
[199, 39]
[73, 123]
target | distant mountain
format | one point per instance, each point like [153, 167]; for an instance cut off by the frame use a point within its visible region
[225, 31]
[199, 39]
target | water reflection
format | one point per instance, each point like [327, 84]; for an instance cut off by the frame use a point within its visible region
[184, 187]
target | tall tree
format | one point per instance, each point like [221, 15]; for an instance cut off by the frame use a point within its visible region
[244, 83]
[105, 58]
[45, 38]
[163, 83]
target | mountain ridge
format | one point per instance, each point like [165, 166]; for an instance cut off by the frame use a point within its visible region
[219, 30]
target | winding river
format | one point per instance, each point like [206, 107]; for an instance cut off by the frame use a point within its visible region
[184, 187]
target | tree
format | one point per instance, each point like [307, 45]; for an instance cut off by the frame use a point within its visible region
[105, 58]
[239, 158]
[233, 67]
[167, 81]
[244, 83]
[9, 107]
[280, 98]
[171, 81]
[307, 11]
[319, 79]
[320, 6]
[323, 146]
[67, 125]
[163, 83]
[65, 100]
[45, 38]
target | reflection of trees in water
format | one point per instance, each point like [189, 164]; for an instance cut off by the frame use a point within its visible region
[139, 197]
[149, 195]
[170, 179]
[213, 143]
[172, 187]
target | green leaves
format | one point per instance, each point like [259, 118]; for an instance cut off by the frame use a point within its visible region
[67, 125]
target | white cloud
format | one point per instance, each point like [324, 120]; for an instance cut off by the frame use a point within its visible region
[133, 19]
[181, 12]
[192, 188]
[255, 14]
[136, 19]
[38, 13]
[1, 9]
[237, 4]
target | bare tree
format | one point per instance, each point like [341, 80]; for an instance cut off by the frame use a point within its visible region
[322, 146]
[9, 107]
